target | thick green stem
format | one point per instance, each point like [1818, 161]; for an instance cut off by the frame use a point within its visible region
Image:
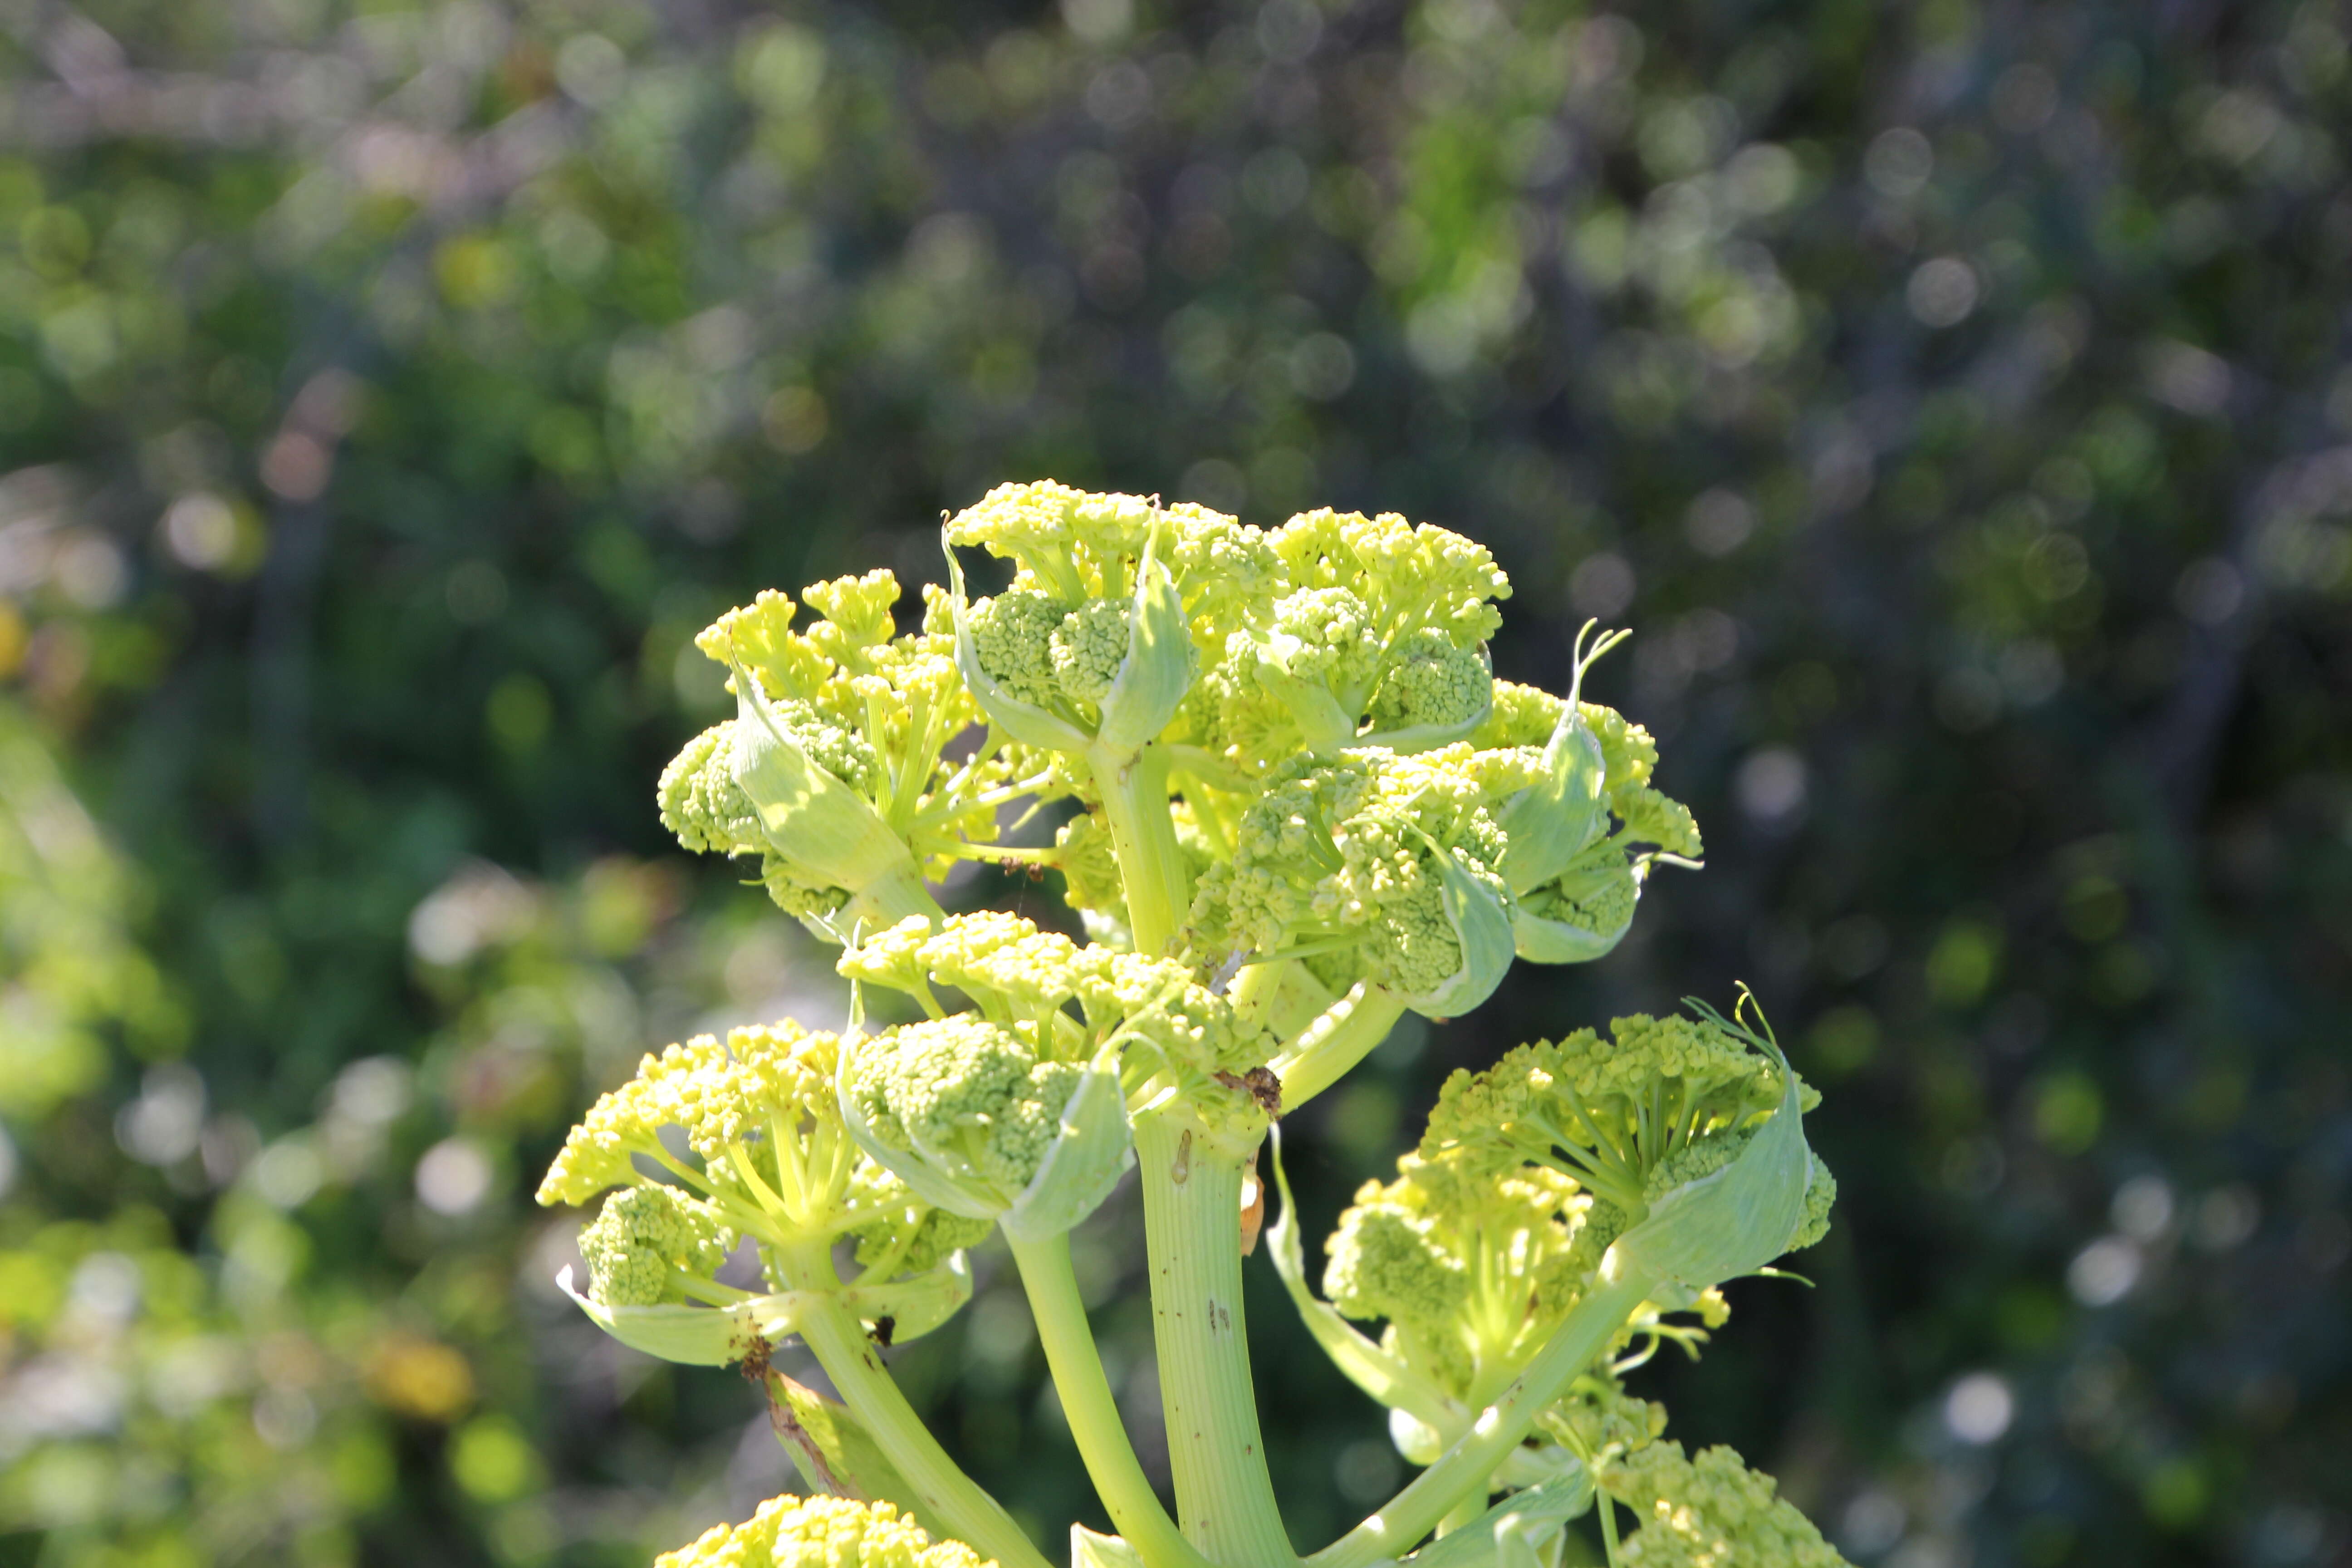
[1471, 1463]
[1134, 788]
[1191, 1217]
[1093, 1413]
[838, 1341]
[1257, 990]
[1342, 1037]
[1284, 996]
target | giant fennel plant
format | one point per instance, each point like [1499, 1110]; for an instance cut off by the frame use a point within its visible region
[1296, 805]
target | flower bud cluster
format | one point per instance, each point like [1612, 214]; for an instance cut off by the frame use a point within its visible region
[1291, 802]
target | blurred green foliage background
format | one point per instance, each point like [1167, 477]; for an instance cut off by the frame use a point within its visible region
[1953, 396]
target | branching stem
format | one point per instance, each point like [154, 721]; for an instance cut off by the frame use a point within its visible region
[1342, 1037]
[838, 1340]
[1471, 1462]
[1093, 1413]
[1134, 788]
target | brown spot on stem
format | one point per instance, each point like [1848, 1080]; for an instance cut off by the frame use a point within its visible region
[1253, 1205]
[1260, 1084]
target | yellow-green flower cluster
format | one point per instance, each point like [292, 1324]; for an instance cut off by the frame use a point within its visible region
[1600, 1422]
[1374, 633]
[1387, 863]
[1068, 1000]
[1305, 806]
[1526, 716]
[1115, 602]
[1018, 1109]
[834, 772]
[971, 1098]
[717, 1092]
[1074, 549]
[822, 1533]
[1472, 1270]
[758, 1110]
[1609, 1112]
[1711, 1511]
[1334, 632]
[648, 1242]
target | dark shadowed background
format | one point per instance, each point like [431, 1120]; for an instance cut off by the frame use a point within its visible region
[1951, 397]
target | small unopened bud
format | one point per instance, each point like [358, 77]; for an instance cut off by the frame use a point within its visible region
[1564, 814]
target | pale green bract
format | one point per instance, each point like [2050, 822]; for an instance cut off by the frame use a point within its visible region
[1273, 771]
[1716, 1218]
[990, 1125]
[1584, 835]
[723, 1335]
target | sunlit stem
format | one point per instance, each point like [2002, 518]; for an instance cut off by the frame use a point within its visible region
[709, 1291]
[1060, 575]
[1009, 853]
[1191, 1218]
[893, 896]
[1093, 1413]
[1470, 1464]
[761, 1194]
[1213, 821]
[839, 1342]
[914, 770]
[950, 803]
[749, 1220]
[1343, 1036]
[1466, 1511]
[791, 1173]
[1255, 988]
[1608, 1510]
[1611, 1149]
[1134, 788]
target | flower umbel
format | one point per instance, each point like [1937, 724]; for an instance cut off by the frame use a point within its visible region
[821, 1532]
[1291, 803]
